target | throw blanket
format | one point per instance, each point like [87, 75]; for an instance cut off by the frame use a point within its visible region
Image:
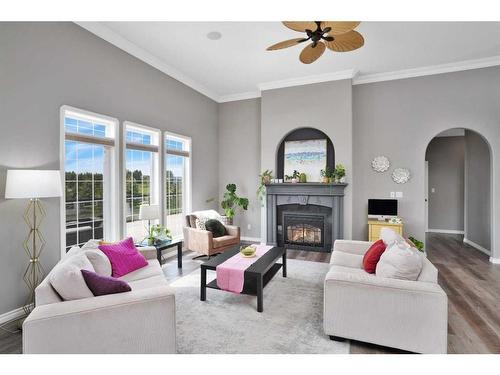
[231, 273]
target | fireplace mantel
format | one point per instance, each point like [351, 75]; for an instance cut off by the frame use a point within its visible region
[319, 194]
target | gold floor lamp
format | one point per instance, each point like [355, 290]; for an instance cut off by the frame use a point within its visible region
[33, 185]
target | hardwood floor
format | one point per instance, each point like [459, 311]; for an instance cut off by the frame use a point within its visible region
[471, 282]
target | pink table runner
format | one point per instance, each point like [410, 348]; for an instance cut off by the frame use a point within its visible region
[231, 273]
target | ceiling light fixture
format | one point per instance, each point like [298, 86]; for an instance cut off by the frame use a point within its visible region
[214, 35]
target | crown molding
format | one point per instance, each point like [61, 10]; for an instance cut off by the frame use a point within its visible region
[114, 38]
[240, 96]
[307, 80]
[428, 70]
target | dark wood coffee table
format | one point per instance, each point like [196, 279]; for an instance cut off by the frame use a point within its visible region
[256, 276]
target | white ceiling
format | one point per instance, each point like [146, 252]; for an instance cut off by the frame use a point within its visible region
[236, 65]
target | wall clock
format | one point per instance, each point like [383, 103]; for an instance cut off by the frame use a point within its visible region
[400, 175]
[380, 164]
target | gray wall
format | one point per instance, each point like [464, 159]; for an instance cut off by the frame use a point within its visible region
[324, 106]
[445, 156]
[239, 161]
[478, 190]
[399, 118]
[46, 65]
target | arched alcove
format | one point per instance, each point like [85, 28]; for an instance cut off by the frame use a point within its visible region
[477, 176]
[303, 134]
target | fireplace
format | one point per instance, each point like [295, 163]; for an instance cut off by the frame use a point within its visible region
[304, 230]
[307, 216]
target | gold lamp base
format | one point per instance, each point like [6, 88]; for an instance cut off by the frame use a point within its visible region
[33, 246]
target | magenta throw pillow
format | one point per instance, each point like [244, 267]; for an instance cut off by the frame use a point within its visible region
[124, 257]
[102, 285]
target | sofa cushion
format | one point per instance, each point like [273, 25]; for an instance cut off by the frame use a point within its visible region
[124, 257]
[372, 256]
[67, 278]
[400, 261]
[100, 262]
[341, 258]
[224, 241]
[149, 282]
[103, 285]
[389, 236]
[150, 270]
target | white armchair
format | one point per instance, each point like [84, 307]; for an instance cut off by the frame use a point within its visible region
[409, 315]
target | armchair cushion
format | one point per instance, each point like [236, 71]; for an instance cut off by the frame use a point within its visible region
[224, 241]
[216, 227]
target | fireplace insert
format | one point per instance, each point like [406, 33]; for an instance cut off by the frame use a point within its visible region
[304, 230]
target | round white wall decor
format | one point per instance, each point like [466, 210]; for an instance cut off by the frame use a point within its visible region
[400, 175]
[380, 163]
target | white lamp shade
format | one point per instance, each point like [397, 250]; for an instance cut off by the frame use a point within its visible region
[149, 212]
[30, 183]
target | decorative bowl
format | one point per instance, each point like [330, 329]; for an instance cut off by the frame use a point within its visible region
[248, 251]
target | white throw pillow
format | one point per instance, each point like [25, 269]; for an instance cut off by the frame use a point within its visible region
[389, 236]
[91, 244]
[73, 251]
[400, 261]
[99, 261]
[67, 279]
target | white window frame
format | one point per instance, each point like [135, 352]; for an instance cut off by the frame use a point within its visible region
[111, 231]
[157, 173]
[187, 197]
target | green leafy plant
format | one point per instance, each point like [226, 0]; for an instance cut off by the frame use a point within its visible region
[418, 244]
[327, 174]
[265, 179]
[156, 232]
[339, 172]
[302, 177]
[295, 175]
[232, 201]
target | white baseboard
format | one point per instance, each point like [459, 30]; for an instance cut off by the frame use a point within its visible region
[251, 239]
[445, 231]
[12, 315]
[477, 247]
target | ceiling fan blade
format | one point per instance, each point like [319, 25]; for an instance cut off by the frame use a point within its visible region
[311, 54]
[346, 42]
[301, 26]
[339, 27]
[286, 44]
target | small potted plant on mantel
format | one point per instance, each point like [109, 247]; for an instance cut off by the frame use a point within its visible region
[294, 178]
[327, 175]
[339, 173]
[265, 179]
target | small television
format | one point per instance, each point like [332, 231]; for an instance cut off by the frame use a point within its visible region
[381, 209]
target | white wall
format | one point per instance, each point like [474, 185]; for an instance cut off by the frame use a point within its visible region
[239, 162]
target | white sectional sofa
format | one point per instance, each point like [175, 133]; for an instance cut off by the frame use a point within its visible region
[139, 321]
[409, 315]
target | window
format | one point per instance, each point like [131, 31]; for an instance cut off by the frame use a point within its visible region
[141, 175]
[177, 182]
[88, 146]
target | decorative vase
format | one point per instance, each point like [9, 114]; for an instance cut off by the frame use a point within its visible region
[326, 180]
[294, 180]
[303, 178]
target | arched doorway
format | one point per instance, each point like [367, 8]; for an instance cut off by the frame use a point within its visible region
[458, 188]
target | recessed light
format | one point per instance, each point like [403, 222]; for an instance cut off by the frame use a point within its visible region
[214, 35]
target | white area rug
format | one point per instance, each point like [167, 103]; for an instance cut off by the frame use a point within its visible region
[292, 321]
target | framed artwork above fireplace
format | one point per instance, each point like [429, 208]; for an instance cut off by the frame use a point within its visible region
[306, 150]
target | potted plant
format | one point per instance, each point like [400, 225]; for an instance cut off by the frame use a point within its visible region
[339, 173]
[327, 175]
[294, 178]
[265, 179]
[302, 178]
[232, 201]
[419, 245]
[156, 233]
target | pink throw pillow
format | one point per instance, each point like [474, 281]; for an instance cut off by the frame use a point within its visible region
[124, 257]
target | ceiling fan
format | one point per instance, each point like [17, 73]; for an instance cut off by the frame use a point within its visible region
[339, 36]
